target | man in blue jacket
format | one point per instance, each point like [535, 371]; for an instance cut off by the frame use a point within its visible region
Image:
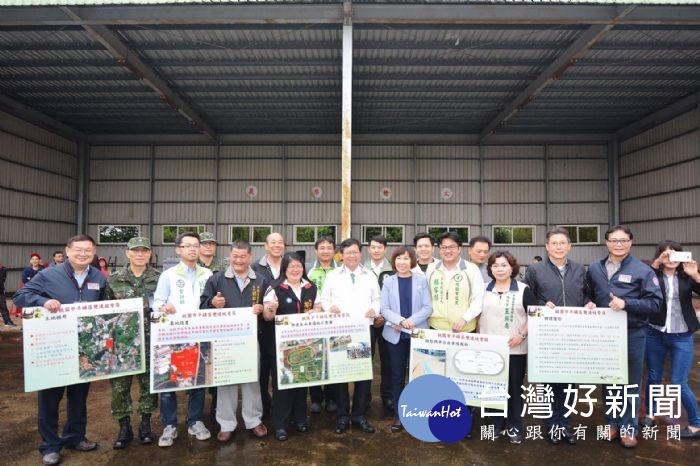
[73, 281]
[624, 283]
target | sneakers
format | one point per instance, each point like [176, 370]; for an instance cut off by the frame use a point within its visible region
[169, 434]
[199, 431]
[52, 458]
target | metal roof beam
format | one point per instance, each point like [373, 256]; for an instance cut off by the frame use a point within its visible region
[452, 62]
[453, 14]
[661, 116]
[552, 72]
[524, 13]
[413, 76]
[144, 72]
[40, 119]
[442, 44]
[358, 138]
[174, 15]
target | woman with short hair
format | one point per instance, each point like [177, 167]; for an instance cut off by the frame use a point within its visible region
[405, 305]
[505, 313]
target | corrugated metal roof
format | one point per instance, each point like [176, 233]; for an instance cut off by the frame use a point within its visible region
[194, 2]
[408, 76]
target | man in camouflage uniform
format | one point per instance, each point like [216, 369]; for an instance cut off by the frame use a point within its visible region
[207, 252]
[137, 279]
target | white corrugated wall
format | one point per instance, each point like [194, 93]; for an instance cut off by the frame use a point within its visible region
[38, 188]
[532, 185]
[660, 184]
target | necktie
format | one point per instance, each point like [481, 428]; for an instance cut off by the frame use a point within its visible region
[352, 277]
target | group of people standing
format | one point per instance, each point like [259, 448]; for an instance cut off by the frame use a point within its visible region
[410, 290]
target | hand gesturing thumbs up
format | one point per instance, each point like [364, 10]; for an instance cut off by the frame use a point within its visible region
[218, 301]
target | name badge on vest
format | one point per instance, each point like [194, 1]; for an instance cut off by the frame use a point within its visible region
[625, 278]
[93, 286]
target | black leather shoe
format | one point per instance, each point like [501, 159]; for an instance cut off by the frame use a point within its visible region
[553, 439]
[688, 433]
[364, 425]
[125, 435]
[516, 438]
[300, 427]
[397, 426]
[281, 435]
[331, 406]
[569, 437]
[145, 435]
[84, 445]
[388, 404]
[342, 426]
[647, 422]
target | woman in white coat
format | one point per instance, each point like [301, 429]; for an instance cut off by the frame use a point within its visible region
[406, 305]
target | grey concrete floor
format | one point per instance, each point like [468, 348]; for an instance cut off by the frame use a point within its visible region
[19, 437]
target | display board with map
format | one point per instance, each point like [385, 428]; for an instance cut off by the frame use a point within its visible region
[476, 362]
[203, 348]
[321, 348]
[82, 342]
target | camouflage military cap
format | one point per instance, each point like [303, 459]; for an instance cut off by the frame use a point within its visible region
[207, 237]
[139, 242]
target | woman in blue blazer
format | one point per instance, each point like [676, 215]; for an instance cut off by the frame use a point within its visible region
[406, 305]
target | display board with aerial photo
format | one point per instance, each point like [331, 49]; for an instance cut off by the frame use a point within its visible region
[203, 348]
[82, 342]
[320, 348]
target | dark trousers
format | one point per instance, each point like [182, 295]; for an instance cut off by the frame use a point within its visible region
[359, 399]
[288, 406]
[76, 419]
[398, 355]
[516, 375]
[320, 393]
[636, 345]
[378, 341]
[266, 339]
[4, 312]
[558, 418]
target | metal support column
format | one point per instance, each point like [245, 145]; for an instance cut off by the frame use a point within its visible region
[614, 182]
[151, 195]
[345, 203]
[481, 193]
[414, 151]
[216, 190]
[284, 195]
[546, 187]
[83, 189]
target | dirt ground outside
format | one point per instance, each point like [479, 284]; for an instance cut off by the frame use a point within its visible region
[320, 446]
